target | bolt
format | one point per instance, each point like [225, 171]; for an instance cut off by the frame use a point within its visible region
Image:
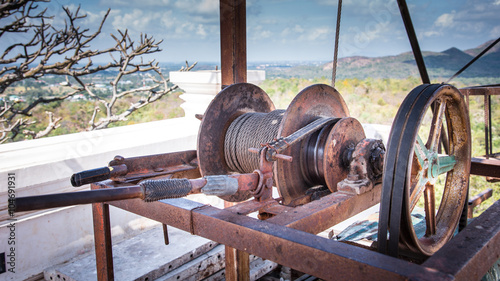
[119, 158]
[269, 182]
[353, 177]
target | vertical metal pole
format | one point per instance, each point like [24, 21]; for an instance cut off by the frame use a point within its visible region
[102, 240]
[240, 265]
[233, 41]
[487, 124]
[490, 124]
[234, 70]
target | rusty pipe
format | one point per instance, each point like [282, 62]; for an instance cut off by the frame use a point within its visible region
[29, 203]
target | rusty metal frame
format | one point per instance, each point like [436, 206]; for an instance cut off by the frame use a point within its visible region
[234, 70]
[485, 91]
[288, 238]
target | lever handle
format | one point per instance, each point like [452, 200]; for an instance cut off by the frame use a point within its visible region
[158, 189]
[90, 176]
[99, 174]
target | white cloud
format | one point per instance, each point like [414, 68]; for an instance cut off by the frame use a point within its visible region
[206, 7]
[188, 30]
[294, 31]
[200, 30]
[495, 32]
[497, 2]
[258, 33]
[365, 7]
[136, 21]
[168, 20]
[317, 33]
[445, 20]
[143, 3]
[430, 33]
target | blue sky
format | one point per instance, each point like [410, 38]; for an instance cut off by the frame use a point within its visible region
[279, 30]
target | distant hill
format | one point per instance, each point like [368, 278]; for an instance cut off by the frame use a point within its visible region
[440, 65]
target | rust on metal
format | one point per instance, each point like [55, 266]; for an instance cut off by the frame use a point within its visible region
[120, 169]
[178, 164]
[485, 167]
[470, 254]
[481, 90]
[321, 214]
[323, 258]
[239, 262]
[311, 103]
[224, 108]
[48, 201]
[477, 200]
[343, 137]
[165, 234]
[485, 91]
[233, 42]
[365, 168]
[102, 239]
[413, 166]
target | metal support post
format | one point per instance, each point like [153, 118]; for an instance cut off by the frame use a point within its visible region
[102, 240]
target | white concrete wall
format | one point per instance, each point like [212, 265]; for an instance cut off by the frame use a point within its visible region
[46, 238]
[49, 237]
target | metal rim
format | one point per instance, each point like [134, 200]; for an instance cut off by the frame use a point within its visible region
[313, 102]
[346, 133]
[415, 166]
[227, 105]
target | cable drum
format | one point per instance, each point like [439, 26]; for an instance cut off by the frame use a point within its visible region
[242, 116]
[249, 130]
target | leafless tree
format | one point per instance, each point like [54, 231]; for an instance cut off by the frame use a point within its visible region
[67, 51]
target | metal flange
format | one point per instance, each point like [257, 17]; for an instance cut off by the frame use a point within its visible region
[230, 103]
[316, 101]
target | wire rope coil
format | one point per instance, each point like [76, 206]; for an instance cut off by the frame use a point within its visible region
[249, 130]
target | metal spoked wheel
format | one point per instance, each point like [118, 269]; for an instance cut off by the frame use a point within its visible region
[426, 172]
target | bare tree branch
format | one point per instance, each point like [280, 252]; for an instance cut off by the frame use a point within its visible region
[154, 93]
[66, 51]
[53, 124]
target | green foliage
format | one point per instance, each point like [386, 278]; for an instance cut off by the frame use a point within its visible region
[369, 100]
[76, 114]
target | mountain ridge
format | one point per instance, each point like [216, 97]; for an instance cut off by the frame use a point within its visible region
[439, 64]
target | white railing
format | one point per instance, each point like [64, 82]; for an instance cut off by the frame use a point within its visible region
[43, 166]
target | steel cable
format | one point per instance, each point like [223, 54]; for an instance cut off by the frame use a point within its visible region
[249, 130]
[336, 48]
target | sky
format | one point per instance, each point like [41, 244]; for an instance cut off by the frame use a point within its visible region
[292, 30]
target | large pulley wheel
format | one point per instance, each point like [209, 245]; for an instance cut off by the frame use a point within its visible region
[426, 171]
[231, 102]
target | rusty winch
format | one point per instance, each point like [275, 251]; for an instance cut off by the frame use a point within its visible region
[311, 144]
[310, 150]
